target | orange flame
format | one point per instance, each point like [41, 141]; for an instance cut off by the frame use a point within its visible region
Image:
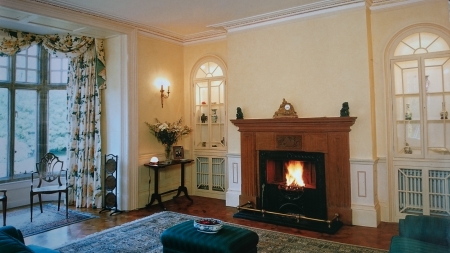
[294, 176]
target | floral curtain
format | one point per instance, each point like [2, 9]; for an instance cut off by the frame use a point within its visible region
[84, 120]
[86, 76]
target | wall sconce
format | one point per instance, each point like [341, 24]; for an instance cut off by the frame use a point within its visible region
[163, 83]
[164, 96]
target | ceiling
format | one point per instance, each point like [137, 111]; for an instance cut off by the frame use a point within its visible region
[181, 20]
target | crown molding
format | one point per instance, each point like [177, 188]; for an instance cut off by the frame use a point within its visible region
[377, 5]
[287, 14]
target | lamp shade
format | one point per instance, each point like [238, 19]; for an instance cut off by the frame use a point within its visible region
[154, 160]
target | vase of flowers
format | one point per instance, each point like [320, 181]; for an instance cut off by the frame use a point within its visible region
[168, 134]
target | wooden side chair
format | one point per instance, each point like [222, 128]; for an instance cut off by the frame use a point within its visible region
[49, 171]
[4, 199]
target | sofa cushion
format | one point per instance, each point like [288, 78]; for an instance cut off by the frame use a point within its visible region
[403, 244]
[9, 244]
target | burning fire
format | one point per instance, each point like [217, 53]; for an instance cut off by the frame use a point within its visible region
[294, 175]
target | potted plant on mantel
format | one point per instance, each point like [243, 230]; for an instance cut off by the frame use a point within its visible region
[168, 134]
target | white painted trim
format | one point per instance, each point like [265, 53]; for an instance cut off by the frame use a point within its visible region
[286, 16]
[195, 41]
[364, 192]
[365, 215]
[156, 36]
[382, 5]
[129, 102]
[362, 178]
[234, 180]
[363, 161]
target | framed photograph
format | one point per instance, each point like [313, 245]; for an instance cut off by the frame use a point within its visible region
[178, 152]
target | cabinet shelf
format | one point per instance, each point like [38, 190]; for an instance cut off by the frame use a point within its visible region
[410, 120]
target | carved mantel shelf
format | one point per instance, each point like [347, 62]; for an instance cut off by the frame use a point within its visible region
[328, 135]
[329, 124]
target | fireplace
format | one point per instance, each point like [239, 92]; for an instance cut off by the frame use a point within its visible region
[321, 146]
[293, 183]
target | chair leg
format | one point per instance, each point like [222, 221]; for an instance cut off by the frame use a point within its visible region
[59, 199]
[31, 207]
[4, 210]
[40, 201]
[67, 205]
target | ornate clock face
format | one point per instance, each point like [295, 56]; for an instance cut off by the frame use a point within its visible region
[287, 107]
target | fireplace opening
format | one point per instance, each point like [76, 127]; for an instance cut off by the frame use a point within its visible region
[293, 183]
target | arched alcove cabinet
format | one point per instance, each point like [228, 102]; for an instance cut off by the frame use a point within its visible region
[419, 65]
[210, 122]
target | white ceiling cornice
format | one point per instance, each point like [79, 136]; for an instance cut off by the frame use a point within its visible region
[290, 13]
[389, 4]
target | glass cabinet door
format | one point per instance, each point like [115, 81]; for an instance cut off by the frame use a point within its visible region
[210, 114]
[437, 87]
[422, 96]
[407, 113]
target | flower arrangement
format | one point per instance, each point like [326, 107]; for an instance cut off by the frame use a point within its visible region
[168, 133]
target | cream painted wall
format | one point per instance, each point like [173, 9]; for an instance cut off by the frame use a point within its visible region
[385, 25]
[316, 64]
[158, 59]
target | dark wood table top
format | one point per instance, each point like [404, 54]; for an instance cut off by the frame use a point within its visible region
[174, 162]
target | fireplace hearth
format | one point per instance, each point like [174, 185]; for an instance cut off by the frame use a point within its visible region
[321, 145]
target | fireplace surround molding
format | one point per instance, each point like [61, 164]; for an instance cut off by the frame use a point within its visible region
[328, 135]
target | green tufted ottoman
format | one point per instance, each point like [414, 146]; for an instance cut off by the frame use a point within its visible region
[185, 238]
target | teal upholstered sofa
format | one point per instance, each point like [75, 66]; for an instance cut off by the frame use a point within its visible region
[422, 234]
[11, 241]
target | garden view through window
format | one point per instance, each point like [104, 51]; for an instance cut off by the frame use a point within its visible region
[33, 110]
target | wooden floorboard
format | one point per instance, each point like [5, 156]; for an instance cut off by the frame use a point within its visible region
[379, 237]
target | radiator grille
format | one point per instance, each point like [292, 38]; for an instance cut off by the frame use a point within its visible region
[211, 173]
[423, 191]
[439, 192]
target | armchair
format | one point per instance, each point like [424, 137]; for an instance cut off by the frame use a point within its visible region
[422, 233]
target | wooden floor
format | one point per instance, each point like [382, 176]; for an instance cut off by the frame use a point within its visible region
[205, 207]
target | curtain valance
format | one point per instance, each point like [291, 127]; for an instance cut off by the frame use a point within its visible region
[68, 45]
[59, 45]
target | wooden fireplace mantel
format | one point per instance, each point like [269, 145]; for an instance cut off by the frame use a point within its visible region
[328, 135]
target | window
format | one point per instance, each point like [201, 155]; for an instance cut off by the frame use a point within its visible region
[33, 110]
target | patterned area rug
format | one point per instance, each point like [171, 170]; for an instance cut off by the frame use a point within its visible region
[49, 219]
[143, 236]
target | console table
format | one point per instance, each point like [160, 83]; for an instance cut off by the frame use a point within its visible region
[157, 167]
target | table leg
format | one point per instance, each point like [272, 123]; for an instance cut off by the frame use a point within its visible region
[156, 196]
[182, 188]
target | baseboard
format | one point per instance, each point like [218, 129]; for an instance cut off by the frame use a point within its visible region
[367, 216]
